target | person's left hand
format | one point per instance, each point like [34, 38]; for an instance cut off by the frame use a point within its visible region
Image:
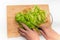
[28, 33]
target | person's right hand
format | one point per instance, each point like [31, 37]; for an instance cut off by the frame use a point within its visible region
[48, 32]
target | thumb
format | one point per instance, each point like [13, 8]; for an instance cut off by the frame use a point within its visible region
[45, 36]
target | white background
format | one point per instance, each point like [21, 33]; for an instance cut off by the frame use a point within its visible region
[54, 6]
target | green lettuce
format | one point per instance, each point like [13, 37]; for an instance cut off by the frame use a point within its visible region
[32, 17]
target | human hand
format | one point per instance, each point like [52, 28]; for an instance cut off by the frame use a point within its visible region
[28, 33]
[48, 32]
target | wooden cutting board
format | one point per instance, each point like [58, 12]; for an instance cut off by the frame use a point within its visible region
[12, 26]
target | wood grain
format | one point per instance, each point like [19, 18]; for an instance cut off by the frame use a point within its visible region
[12, 26]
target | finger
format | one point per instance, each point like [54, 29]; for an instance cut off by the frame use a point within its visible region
[25, 26]
[22, 30]
[43, 34]
[23, 34]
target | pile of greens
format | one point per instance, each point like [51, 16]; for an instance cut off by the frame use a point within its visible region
[32, 17]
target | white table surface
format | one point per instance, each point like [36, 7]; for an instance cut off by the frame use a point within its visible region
[54, 7]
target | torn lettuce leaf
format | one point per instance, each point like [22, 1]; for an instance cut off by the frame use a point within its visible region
[32, 17]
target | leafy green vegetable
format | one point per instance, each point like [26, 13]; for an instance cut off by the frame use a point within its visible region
[32, 17]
